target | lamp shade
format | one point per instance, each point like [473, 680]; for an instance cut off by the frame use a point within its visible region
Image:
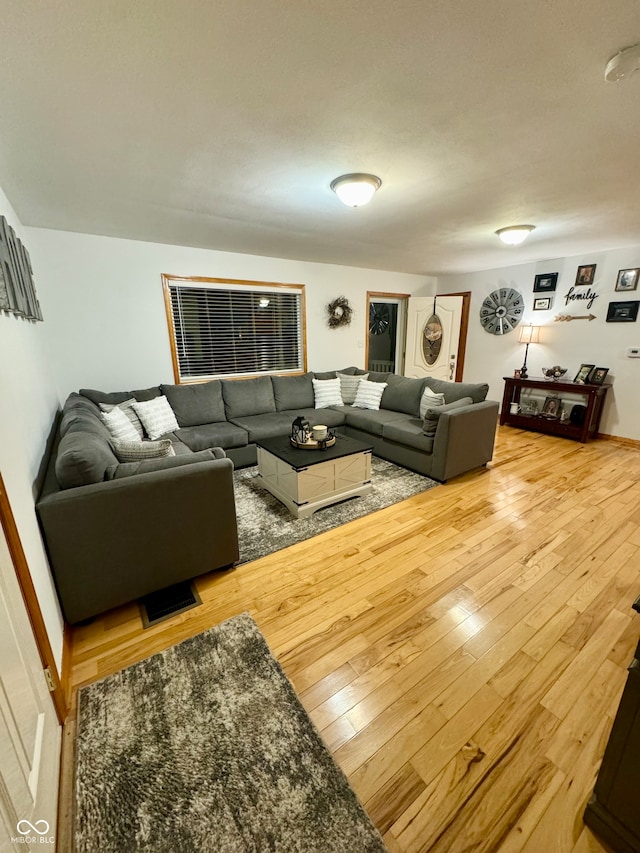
[513, 235]
[356, 189]
[529, 334]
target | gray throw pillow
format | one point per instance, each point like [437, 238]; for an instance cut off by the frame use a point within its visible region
[455, 390]
[349, 386]
[432, 415]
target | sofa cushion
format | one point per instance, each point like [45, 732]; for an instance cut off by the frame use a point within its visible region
[147, 466]
[270, 425]
[349, 386]
[369, 394]
[157, 417]
[332, 417]
[326, 392]
[200, 403]
[292, 392]
[244, 397]
[81, 415]
[129, 411]
[432, 415]
[83, 458]
[455, 390]
[115, 397]
[408, 431]
[205, 436]
[402, 394]
[371, 421]
[376, 376]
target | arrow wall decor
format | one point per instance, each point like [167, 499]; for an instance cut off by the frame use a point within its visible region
[566, 318]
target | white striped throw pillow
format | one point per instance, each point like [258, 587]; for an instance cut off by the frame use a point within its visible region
[119, 426]
[326, 392]
[369, 394]
[157, 417]
[428, 400]
[127, 408]
[134, 451]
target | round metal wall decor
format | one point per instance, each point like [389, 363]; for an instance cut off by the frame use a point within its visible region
[378, 318]
[501, 311]
[339, 312]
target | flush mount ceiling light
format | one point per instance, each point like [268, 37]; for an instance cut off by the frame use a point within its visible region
[356, 189]
[623, 64]
[513, 235]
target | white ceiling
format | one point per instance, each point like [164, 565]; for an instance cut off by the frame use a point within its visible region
[221, 123]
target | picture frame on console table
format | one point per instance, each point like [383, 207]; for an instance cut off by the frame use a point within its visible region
[583, 373]
[598, 375]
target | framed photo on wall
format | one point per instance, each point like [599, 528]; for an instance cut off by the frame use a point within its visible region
[542, 304]
[586, 274]
[627, 279]
[545, 283]
[622, 312]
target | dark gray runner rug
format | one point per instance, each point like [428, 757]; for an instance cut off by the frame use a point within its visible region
[265, 525]
[205, 747]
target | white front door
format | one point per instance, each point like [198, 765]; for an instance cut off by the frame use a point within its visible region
[433, 336]
[30, 734]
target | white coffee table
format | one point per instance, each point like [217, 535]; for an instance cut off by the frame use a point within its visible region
[307, 480]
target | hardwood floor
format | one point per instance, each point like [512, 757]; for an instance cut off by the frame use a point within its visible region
[462, 653]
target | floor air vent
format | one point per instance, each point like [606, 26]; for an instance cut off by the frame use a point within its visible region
[168, 602]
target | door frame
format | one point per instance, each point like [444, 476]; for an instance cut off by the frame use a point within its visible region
[21, 568]
[464, 328]
[372, 296]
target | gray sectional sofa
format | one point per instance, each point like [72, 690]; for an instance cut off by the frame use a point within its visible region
[115, 531]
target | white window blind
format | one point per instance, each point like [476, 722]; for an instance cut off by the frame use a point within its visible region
[224, 328]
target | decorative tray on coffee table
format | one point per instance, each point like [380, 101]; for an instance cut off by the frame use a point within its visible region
[312, 444]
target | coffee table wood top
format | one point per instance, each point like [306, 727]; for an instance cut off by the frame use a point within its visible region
[299, 459]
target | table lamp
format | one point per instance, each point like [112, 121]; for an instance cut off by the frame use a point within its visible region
[528, 335]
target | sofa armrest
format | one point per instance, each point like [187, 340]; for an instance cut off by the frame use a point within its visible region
[115, 541]
[464, 439]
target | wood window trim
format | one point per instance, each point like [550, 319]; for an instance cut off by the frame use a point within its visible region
[168, 279]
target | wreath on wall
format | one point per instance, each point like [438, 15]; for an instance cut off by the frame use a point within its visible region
[339, 312]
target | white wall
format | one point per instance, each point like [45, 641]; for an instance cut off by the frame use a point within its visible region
[107, 327]
[29, 402]
[489, 357]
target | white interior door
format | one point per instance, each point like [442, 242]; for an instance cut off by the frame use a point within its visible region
[30, 734]
[433, 336]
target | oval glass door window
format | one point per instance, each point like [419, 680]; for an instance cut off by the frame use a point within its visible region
[432, 339]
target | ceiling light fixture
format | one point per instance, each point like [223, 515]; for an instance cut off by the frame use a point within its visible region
[356, 189]
[623, 64]
[513, 235]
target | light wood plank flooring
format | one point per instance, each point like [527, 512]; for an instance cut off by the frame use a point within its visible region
[462, 653]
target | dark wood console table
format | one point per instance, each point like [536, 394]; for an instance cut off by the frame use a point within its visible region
[593, 401]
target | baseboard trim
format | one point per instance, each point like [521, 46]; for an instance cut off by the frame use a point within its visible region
[630, 442]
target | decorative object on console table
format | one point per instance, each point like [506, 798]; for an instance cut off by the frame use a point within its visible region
[583, 374]
[528, 335]
[555, 373]
[582, 430]
[612, 812]
[551, 407]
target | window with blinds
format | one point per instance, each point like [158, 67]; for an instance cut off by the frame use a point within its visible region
[228, 328]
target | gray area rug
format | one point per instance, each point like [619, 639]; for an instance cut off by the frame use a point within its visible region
[205, 747]
[265, 525]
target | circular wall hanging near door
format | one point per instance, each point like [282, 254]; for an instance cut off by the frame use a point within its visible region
[501, 311]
